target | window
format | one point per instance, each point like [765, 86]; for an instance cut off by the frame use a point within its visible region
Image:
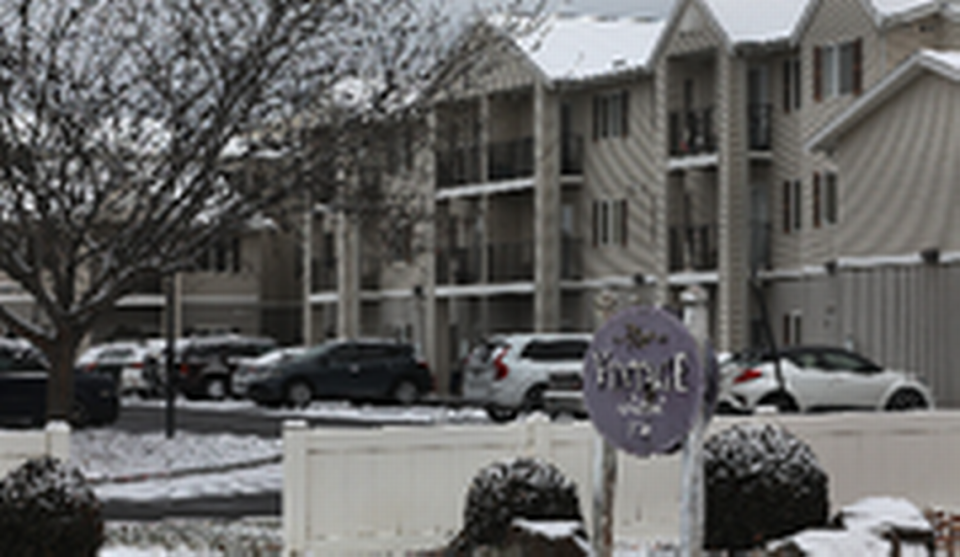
[838, 69]
[611, 115]
[831, 205]
[610, 222]
[787, 203]
[792, 328]
[817, 200]
[222, 257]
[797, 205]
[791, 84]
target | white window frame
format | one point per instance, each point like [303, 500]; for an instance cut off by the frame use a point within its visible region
[609, 219]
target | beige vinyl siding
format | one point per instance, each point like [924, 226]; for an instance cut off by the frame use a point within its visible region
[695, 31]
[491, 65]
[898, 173]
[621, 168]
[904, 40]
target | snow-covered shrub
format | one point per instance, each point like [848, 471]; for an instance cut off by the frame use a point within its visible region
[762, 483]
[520, 488]
[47, 508]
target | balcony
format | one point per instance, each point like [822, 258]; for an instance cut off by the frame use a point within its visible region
[458, 265]
[759, 117]
[571, 259]
[691, 133]
[506, 262]
[693, 248]
[510, 261]
[506, 160]
[323, 275]
[458, 167]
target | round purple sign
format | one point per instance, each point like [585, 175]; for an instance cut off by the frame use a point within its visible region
[643, 382]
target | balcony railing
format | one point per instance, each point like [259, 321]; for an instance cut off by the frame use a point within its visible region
[458, 265]
[149, 285]
[506, 160]
[691, 132]
[510, 261]
[457, 167]
[571, 258]
[510, 159]
[571, 156]
[324, 274]
[506, 262]
[693, 248]
[760, 248]
[760, 126]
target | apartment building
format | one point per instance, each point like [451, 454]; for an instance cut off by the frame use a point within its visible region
[815, 242]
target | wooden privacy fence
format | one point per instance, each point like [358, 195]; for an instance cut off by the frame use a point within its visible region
[18, 446]
[397, 489]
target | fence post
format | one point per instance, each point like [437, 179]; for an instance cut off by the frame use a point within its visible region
[295, 433]
[57, 440]
[694, 301]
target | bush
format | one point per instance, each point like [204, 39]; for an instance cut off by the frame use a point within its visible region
[521, 488]
[47, 508]
[762, 483]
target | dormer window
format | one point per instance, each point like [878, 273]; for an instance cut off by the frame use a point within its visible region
[838, 69]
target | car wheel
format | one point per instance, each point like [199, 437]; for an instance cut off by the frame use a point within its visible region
[79, 415]
[405, 392]
[533, 400]
[501, 415]
[215, 388]
[783, 402]
[299, 394]
[906, 399]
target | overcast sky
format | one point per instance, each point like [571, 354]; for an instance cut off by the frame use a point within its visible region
[617, 7]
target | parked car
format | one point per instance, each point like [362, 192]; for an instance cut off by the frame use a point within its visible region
[356, 370]
[818, 378]
[509, 374]
[133, 365]
[23, 390]
[255, 369]
[206, 364]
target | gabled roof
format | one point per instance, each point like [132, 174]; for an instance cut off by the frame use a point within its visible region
[939, 62]
[763, 21]
[578, 48]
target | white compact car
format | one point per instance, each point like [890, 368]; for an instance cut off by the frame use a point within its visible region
[818, 378]
[508, 374]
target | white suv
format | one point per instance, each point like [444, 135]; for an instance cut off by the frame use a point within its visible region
[508, 374]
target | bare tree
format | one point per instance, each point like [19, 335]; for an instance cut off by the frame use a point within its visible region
[117, 117]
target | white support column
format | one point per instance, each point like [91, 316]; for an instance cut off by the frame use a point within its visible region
[348, 277]
[307, 269]
[546, 209]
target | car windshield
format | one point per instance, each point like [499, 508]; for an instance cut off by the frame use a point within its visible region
[279, 355]
[319, 350]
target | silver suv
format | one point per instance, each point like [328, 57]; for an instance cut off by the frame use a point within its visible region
[508, 374]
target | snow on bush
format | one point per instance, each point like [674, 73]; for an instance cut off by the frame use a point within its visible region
[47, 508]
[525, 488]
[762, 483]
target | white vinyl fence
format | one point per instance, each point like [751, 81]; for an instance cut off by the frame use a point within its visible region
[18, 446]
[396, 489]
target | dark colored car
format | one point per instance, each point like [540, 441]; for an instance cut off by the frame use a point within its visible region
[357, 370]
[23, 390]
[206, 364]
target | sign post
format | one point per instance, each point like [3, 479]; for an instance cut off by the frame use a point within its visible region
[644, 383]
[691, 494]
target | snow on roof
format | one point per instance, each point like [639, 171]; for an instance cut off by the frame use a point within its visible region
[945, 63]
[571, 48]
[890, 8]
[749, 21]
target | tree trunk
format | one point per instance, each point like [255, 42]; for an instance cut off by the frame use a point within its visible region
[60, 382]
